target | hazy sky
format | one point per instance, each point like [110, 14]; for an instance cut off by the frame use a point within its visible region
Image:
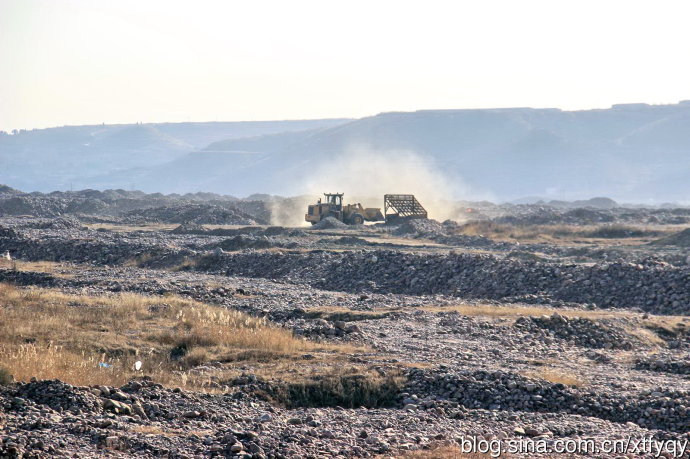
[90, 61]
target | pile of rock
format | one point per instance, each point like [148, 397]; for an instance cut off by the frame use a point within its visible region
[32, 205]
[660, 409]
[8, 233]
[135, 420]
[59, 396]
[422, 228]
[17, 277]
[650, 285]
[241, 242]
[329, 223]
[549, 215]
[351, 240]
[189, 228]
[59, 223]
[324, 328]
[193, 213]
[579, 331]
[111, 248]
[655, 287]
[680, 239]
[665, 364]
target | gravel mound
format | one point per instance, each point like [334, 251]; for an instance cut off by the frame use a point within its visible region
[26, 278]
[665, 364]
[663, 409]
[60, 223]
[82, 246]
[579, 331]
[352, 240]
[654, 287]
[548, 215]
[59, 396]
[138, 417]
[113, 203]
[189, 228]
[442, 233]
[277, 231]
[420, 227]
[241, 242]
[8, 191]
[322, 327]
[650, 285]
[31, 205]
[8, 233]
[681, 239]
[193, 213]
[329, 223]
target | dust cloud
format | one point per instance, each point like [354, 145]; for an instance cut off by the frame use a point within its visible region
[290, 211]
[365, 174]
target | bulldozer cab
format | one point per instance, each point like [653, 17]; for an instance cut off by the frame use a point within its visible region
[334, 199]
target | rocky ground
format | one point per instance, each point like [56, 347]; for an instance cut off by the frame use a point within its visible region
[494, 338]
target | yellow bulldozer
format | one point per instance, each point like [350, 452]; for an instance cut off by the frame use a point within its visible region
[397, 207]
[352, 214]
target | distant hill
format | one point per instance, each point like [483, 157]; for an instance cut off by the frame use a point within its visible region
[598, 203]
[72, 156]
[633, 152]
[629, 152]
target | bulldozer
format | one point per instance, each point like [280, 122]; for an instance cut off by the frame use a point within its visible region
[351, 214]
[398, 208]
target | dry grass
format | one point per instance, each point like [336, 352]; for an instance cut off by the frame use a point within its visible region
[48, 334]
[186, 265]
[654, 330]
[49, 267]
[607, 234]
[151, 429]
[138, 261]
[333, 313]
[658, 329]
[646, 335]
[515, 311]
[556, 376]
[671, 325]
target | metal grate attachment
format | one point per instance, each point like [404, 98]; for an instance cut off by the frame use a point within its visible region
[403, 206]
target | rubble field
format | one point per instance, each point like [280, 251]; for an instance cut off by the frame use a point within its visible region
[375, 341]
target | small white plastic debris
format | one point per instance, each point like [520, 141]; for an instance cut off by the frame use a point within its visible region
[137, 365]
[7, 256]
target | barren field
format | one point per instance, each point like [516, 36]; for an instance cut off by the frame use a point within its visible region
[127, 337]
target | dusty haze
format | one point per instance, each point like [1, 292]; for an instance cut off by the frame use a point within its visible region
[365, 174]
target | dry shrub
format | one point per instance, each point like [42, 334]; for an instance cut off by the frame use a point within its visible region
[5, 377]
[618, 231]
[341, 386]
